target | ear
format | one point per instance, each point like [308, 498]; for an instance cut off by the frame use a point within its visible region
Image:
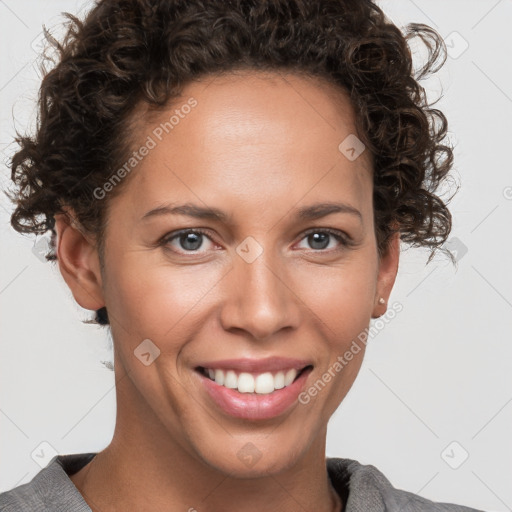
[388, 268]
[78, 261]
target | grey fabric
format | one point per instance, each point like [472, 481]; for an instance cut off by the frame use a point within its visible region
[363, 488]
[50, 490]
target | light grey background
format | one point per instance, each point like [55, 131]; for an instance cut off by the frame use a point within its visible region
[439, 372]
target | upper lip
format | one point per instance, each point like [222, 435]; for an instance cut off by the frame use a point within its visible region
[270, 364]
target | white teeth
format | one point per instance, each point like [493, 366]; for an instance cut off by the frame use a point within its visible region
[231, 380]
[246, 383]
[279, 380]
[219, 377]
[290, 376]
[263, 383]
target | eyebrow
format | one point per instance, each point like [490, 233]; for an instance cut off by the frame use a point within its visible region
[312, 212]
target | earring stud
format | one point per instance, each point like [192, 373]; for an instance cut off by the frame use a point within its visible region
[382, 301]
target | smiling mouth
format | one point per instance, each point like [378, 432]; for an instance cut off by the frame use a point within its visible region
[252, 382]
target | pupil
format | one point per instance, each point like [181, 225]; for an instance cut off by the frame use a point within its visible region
[320, 237]
[196, 239]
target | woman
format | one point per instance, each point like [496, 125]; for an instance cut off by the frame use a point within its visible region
[291, 145]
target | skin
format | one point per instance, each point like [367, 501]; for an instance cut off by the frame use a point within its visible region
[258, 146]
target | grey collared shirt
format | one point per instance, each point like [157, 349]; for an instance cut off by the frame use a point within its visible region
[363, 488]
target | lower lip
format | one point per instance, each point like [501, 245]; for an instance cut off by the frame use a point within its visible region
[254, 406]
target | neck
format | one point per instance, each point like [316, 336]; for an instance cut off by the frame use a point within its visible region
[139, 471]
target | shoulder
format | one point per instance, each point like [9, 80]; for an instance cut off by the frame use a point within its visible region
[364, 488]
[50, 490]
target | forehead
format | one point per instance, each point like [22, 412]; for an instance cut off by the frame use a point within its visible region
[257, 137]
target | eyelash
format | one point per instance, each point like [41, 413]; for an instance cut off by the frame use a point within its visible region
[344, 240]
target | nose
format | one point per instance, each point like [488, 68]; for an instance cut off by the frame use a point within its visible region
[259, 298]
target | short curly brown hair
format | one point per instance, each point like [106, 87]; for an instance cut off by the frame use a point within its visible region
[130, 51]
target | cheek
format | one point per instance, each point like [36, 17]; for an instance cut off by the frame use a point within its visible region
[341, 299]
[342, 302]
[154, 300]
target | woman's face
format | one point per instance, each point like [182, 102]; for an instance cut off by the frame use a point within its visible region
[259, 284]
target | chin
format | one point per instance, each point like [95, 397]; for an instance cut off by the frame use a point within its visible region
[253, 456]
[254, 466]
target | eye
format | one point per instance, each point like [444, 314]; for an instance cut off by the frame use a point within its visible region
[188, 240]
[319, 238]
